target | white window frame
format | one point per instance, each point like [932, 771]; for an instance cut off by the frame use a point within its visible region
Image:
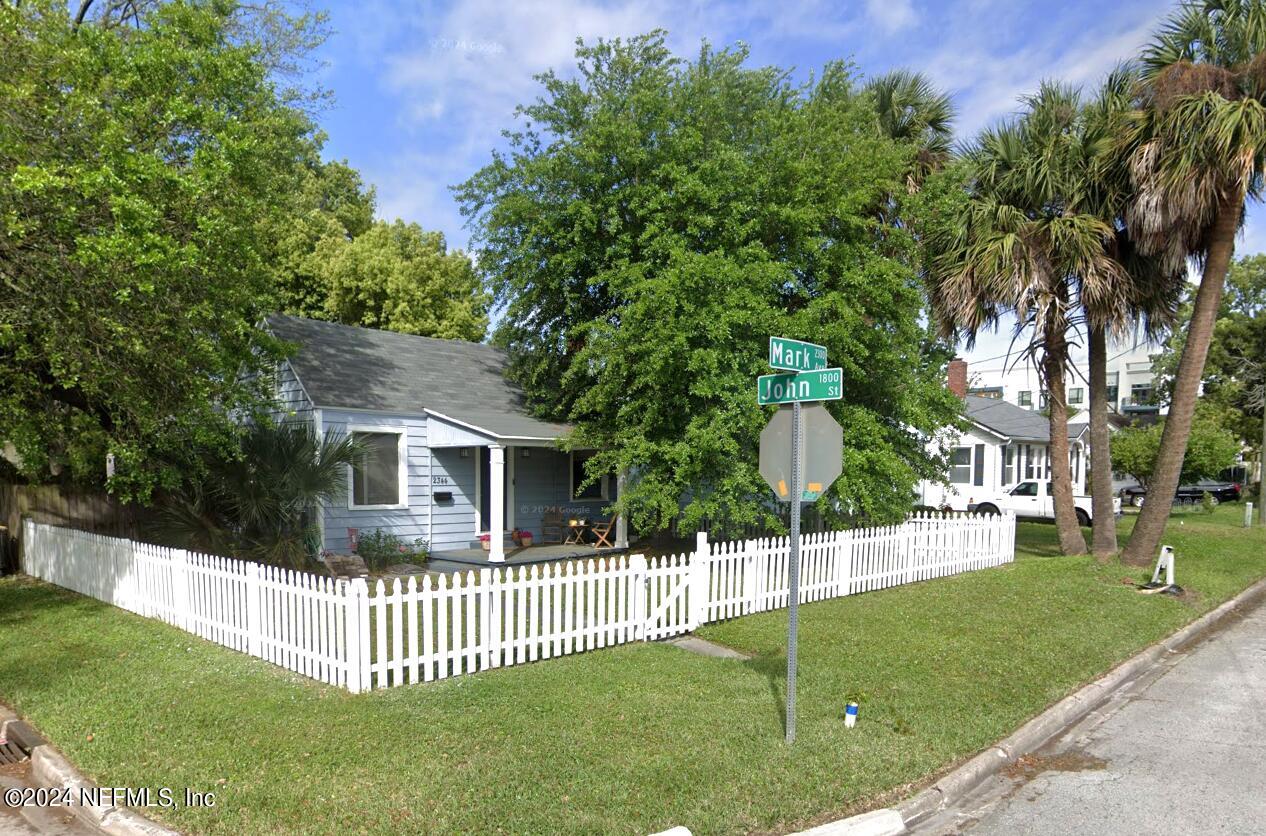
[402, 450]
[571, 478]
[970, 465]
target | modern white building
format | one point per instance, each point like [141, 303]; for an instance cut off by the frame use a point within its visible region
[1010, 377]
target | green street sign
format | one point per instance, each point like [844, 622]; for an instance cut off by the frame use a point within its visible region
[820, 385]
[795, 355]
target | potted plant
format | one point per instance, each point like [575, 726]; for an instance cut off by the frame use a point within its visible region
[525, 538]
[485, 540]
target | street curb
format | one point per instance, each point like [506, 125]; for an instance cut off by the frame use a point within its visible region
[885, 822]
[49, 768]
[1072, 709]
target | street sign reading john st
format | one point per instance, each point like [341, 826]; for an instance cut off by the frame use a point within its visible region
[820, 385]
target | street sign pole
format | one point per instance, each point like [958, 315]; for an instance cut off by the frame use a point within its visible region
[793, 567]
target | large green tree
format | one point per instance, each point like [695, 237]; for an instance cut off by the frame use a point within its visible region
[398, 277]
[331, 260]
[654, 221]
[1197, 151]
[1236, 366]
[327, 201]
[139, 168]
[1211, 450]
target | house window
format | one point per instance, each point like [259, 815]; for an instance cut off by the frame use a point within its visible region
[1075, 394]
[1008, 464]
[960, 466]
[1028, 461]
[1141, 394]
[378, 472]
[1026, 398]
[1112, 396]
[597, 490]
[1042, 400]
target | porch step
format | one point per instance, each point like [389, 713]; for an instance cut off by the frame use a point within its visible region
[506, 540]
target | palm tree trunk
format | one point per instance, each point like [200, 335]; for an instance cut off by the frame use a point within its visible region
[1104, 536]
[1182, 406]
[1071, 540]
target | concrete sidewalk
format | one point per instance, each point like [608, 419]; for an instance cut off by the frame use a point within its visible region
[1181, 751]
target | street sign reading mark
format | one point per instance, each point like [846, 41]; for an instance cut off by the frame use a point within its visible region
[819, 385]
[795, 355]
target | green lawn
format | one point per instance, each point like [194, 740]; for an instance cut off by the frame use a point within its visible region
[630, 739]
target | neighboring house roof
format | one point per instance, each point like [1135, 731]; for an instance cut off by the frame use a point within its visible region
[1006, 419]
[362, 368]
[1076, 431]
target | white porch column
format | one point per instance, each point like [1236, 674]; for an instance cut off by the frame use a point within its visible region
[622, 521]
[496, 502]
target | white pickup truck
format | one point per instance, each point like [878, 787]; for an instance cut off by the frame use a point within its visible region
[1033, 500]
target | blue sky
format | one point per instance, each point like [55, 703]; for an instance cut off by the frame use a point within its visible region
[423, 90]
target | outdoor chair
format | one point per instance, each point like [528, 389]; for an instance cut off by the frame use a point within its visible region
[552, 526]
[602, 531]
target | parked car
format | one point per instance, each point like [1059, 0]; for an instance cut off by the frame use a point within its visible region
[1136, 495]
[1033, 500]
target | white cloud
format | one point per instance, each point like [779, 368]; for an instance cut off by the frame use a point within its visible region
[891, 15]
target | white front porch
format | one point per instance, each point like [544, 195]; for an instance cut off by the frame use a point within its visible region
[515, 480]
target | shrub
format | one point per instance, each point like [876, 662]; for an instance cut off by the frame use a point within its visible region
[1207, 503]
[380, 548]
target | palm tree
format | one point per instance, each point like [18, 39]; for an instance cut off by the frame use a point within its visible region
[1196, 149]
[912, 110]
[1141, 293]
[1028, 244]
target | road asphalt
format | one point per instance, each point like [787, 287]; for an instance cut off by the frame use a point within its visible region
[1181, 751]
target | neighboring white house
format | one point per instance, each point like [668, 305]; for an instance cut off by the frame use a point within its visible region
[1004, 444]
[1131, 383]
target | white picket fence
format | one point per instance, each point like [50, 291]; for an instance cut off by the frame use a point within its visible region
[357, 637]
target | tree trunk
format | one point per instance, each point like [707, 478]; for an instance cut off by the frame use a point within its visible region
[1261, 468]
[1104, 536]
[1071, 540]
[1149, 529]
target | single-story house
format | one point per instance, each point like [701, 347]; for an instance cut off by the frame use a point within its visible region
[1003, 445]
[452, 453]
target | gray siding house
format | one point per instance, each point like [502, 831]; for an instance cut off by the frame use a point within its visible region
[452, 453]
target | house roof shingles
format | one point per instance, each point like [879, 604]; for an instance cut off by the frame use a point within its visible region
[1007, 419]
[362, 368]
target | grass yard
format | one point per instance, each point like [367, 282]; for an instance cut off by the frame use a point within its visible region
[631, 739]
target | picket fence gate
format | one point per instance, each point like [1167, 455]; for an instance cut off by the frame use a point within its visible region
[362, 637]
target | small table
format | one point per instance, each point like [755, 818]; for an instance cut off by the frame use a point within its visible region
[576, 532]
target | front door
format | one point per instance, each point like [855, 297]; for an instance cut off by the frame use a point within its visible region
[485, 489]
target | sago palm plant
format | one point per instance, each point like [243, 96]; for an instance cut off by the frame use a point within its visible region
[262, 503]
